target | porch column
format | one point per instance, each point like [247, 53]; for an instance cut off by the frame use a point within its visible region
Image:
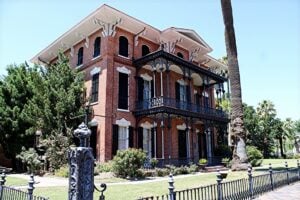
[208, 145]
[168, 81]
[162, 140]
[170, 137]
[154, 82]
[161, 83]
[188, 143]
[155, 126]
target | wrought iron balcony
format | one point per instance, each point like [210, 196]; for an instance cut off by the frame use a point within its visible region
[174, 106]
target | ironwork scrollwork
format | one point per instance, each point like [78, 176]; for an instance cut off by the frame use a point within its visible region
[103, 186]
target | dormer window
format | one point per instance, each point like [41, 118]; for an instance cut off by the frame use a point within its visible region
[123, 46]
[80, 56]
[180, 55]
[97, 46]
[145, 50]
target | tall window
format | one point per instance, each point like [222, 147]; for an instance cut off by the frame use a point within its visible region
[145, 50]
[123, 138]
[180, 55]
[80, 56]
[123, 46]
[97, 47]
[123, 91]
[147, 142]
[95, 87]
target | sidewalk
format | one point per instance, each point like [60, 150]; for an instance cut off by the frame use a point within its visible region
[289, 192]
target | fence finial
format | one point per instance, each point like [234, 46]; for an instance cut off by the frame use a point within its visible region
[30, 187]
[3, 178]
[219, 182]
[171, 187]
[287, 172]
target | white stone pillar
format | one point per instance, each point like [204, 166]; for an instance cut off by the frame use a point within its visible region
[162, 140]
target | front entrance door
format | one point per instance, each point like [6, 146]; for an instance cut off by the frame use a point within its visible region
[202, 145]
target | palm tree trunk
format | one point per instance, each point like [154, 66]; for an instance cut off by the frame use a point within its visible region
[281, 147]
[239, 160]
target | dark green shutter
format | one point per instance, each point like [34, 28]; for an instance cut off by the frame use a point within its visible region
[130, 137]
[152, 88]
[188, 94]
[152, 143]
[123, 91]
[182, 144]
[140, 89]
[115, 139]
[140, 137]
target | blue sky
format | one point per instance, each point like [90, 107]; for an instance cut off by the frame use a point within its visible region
[267, 34]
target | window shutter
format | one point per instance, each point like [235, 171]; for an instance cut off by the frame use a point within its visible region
[115, 139]
[140, 88]
[130, 137]
[140, 137]
[188, 94]
[123, 91]
[152, 88]
[182, 144]
[152, 143]
[177, 91]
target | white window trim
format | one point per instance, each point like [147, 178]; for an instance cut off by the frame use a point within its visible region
[124, 70]
[148, 125]
[122, 110]
[123, 122]
[146, 77]
[181, 127]
[94, 58]
[95, 70]
[124, 56]
[181, 82]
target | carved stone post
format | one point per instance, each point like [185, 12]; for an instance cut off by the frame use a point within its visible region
[81, 167]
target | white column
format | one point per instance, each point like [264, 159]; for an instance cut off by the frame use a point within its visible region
[208, 144]
[155, 143]
[188, 143]
[162, 140]
[154, 84]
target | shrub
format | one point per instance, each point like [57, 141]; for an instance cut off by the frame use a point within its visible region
[153, 162]
[127, 162]
[223, 150]
[63, 171]
[31, 159]
[254, 156]
[193, 169]
[104, 167]
[297, 156]
[162, 172]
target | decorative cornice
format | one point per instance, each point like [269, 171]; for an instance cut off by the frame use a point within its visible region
[123, 70]
[146, 77]
[123, 122]
[95, 70]
[108, 29]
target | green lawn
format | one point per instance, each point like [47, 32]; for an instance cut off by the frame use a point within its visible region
[133, 191]
[13, 181]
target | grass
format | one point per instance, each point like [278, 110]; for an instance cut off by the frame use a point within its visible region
[14, 181]
[130, 190]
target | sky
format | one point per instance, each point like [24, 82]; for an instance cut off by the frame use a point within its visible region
[267, 36]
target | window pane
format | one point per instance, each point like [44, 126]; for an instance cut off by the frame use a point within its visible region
[123, 46]
[95, 87]
[97, 46]
[123, 91]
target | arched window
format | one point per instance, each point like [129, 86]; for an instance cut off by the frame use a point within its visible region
[179, 55]
[123, 46]
[145, 50]
[97, 46]
[80, 56]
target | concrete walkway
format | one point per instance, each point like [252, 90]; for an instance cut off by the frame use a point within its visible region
[290, 192]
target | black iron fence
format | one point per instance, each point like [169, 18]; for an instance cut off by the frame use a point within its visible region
[9, 193]
[241, 189]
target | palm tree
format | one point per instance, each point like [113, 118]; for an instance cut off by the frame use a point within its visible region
[239, 160]
[289, 128]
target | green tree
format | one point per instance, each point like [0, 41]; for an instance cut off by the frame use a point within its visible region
[266, 115]
[16, 90]
[240, 160]
[290, 130]
[251, 125]
[57, 108]
[279, 135]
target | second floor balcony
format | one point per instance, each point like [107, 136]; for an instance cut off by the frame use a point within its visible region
[174, 106]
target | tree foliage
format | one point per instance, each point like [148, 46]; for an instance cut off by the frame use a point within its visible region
[48, 99]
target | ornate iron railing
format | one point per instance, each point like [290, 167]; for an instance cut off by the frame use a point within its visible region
[241, 189]
[181, 105]
[9, 193]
